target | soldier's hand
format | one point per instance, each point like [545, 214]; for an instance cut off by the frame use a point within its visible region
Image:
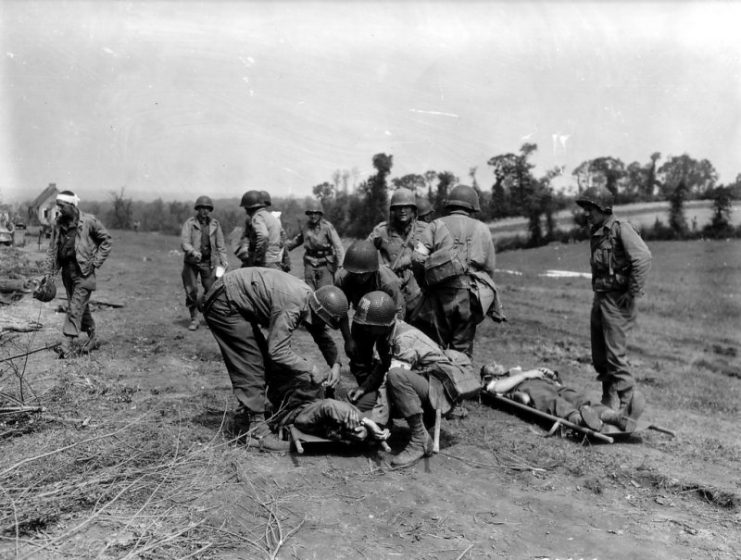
[334, 376]
[354, 394]
[196, 256]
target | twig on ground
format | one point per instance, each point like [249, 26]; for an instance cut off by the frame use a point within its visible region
[462, 554]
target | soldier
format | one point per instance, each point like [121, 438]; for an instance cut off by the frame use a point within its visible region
[425, 212]
[243, 302]
[80, 244]
[260, 244]
[323, 247]
[396, 240]
[204, 250]
[620, 262]
[285, 258]
[359, 275]
[421, 378]
[454, 262]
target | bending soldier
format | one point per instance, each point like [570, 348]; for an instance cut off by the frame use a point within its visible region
[420, 377]
[323, 247]
[361, 274]
[260, 244]
[454, 262]
[542, 389]
[243, 302]
[396, 240]
[620, 262]
[203, 247]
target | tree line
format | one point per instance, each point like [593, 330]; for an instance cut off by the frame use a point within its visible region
[513, 189]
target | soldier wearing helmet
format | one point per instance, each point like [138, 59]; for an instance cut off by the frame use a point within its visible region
[620, 262]
[260, 244]
[395, 241]
[417, 376]
[425, 211]
[285, 257]
[323, 250]
[242, 303]
[361, 273]
[454, 262]
[204, 250]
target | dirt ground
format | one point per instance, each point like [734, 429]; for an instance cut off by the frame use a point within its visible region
[129, 459]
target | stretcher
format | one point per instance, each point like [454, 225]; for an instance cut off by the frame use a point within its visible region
[299, 439]
[612, 432]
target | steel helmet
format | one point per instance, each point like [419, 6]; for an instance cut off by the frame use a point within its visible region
[329, 303]
[491, 371]
[597, 197]
[266, 198]
[403, 197]
[361, 256]
[375, 309]
[252, 199]
[313, 205]
[46, 291]
[204, 202]
[423, 207]
[463, 196]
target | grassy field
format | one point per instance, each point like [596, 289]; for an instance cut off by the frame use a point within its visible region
[128, 458]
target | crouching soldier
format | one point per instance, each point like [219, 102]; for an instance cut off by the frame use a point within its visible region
[542, 389]
[243, 302]
[420, 377]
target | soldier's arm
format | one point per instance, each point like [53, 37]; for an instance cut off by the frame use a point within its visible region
[103, 241]
[282, 325]
[640, 258]
[325, 342]
[391, 284]
[243, 247]
[507, 384]
[221, 246]
[339, 250]
[185, 243]
[261, 239]
[296, 241]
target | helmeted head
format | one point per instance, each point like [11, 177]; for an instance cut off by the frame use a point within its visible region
[329, 303]
[266, 198]
[361, 257]
[67, 202]
[375, 309]
[463, 197]
[492, 370]
[314, 210]
[204, 202]
[252, 200]
[403, 206]
[424, 209]
[596, 197]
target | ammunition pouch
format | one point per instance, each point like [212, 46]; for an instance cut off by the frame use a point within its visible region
[443, 265]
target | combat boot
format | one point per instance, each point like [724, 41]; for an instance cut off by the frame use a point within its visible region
[193, 320]
[590, 418]
[68, 348]
[627, 418]
[625, 397]
[91, 344]
[610, 396]
[261, 437]
[420, 444]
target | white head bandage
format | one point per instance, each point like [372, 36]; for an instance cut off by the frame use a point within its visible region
[72, 199]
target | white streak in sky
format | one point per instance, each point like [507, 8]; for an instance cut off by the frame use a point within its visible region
[434, 113]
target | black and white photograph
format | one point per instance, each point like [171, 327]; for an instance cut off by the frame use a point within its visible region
[370, 279]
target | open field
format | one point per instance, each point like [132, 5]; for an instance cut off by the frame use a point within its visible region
[129, 460]
[641, 215]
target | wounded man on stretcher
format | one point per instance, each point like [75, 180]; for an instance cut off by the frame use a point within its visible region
[542, 389]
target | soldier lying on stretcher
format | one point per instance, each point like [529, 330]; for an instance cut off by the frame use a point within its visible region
[542, 389]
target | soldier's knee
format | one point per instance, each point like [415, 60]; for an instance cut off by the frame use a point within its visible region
[396, 377]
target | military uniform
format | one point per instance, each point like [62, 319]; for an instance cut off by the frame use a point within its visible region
[396, 248]
[261, 243]
[454, 306]
[247, 300]
[78, 248]
[323, 252]
[620, 262]
[207, 239]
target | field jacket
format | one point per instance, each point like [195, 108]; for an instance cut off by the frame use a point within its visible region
[619, 258]
[261, 243]
[322, 245]
[92, 245]
[190, 241]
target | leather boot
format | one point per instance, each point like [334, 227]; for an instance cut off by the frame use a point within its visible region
[91, 343]
[590, 418]
[626, 419]
[193, 320]
[262, 437]
[420, 444]
[625, 397]
[610, 396]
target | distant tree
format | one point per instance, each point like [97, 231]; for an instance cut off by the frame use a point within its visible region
[374, 194]
[513, 181]
[698, 177]
[583, 175]
[120, 216]
[651, 180]
[677, 219]
[411, 181]
[720, 225]
[445, 181]
[324, 191]
[611, 169]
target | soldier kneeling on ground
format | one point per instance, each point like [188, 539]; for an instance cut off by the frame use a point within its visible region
[542, 389]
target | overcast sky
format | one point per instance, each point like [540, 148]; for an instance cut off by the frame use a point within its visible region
[179, 98]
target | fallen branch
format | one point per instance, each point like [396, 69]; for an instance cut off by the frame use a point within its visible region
[20, 409]
[24, 354]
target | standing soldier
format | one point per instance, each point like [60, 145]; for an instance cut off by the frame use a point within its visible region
[238, 307]
[620, 263]
[455, 263]
[79, 245]
[260, 243]
[425, 212]
[421, 378]
[360, 274]
[396, 240]
[203, 246]
[323, 247]
[285, 258]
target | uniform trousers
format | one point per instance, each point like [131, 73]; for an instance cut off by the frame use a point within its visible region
[190, 275]
[78, 288]
[610, 324]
